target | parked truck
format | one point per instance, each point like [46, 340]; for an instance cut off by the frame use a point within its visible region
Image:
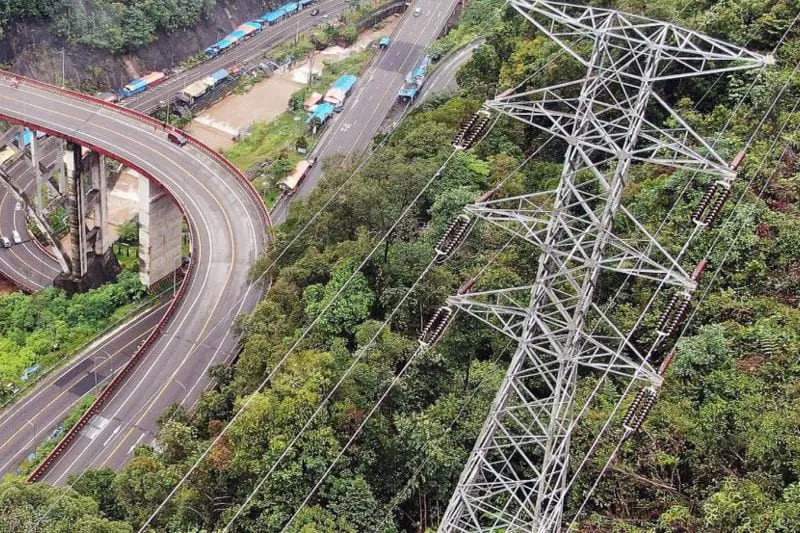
[340, 89]
[289, 184]
[193, 91]
[142, 84]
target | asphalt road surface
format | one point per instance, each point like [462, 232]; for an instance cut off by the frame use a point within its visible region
[35, 417]
[229, 232]
[26, 264]
[443, 79]
[111, 438]
[352, 130]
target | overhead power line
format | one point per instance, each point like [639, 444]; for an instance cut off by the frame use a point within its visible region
[517, 473]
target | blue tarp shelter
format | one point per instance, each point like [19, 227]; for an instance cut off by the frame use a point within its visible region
[322, 112]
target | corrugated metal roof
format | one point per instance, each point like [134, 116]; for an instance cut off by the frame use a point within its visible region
[153, 77]
[135, 84]
[272, 16]
[345, 83]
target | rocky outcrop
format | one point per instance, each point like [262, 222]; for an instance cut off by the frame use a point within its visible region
[31, 48]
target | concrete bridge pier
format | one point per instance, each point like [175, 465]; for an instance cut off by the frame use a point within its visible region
[75, 211]
[91, 260]
[160, 233]
[99, 188]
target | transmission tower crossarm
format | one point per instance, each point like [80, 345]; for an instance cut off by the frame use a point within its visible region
[516, 476]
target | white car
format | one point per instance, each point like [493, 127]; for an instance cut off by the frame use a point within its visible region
[417, 12]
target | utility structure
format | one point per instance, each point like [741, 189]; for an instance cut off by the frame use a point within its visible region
[517, 475]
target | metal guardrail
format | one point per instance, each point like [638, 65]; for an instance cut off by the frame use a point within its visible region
[111, 388]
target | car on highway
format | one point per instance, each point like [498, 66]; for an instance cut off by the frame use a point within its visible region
[6, 242]
[177, 137]
[17, 237]
[315, 12]
[417, 12]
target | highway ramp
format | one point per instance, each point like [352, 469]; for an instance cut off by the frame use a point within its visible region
[229, 231]
[27, 264]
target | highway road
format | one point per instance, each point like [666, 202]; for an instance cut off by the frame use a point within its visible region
[26, 264]
[34, 417]
[443, 79]
[352, 130]
[251, 50]
[31, 267]
[110, 440]
[229, 231]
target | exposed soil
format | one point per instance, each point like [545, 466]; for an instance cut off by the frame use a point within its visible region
[267, 99]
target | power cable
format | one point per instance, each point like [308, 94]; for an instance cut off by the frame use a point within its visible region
[707, 255]
[364, 350]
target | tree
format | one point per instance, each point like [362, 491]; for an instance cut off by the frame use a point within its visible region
[129, 232]
[29, 507]
[347, 309]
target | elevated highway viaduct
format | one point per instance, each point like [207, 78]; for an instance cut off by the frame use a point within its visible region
[229, 229]
[28, 265]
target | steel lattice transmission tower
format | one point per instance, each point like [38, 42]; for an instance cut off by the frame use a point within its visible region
[516, 476]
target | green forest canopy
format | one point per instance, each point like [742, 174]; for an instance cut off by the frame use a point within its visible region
[720, 452]
[117, 26]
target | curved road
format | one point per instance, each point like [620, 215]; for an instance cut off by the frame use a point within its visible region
[26, 264]
[35, 416]
[229, 231]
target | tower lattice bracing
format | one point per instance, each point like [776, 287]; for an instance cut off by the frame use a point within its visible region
[518, 472]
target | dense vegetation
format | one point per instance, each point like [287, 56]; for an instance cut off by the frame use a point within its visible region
[115, 26]
[43, 328]
[721, 451]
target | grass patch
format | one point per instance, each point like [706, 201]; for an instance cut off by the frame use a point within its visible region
[268, 153]
[267, 139]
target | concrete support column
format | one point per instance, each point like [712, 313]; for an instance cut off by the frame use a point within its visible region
[77, 228]
[97, 169]
[37, 172]
[160, 233]
[62, 175]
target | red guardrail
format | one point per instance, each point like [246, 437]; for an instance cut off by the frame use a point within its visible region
[109, 390]
[152, 121]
